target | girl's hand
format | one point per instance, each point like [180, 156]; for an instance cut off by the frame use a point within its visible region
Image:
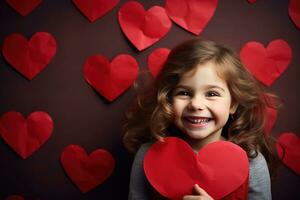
[200, 194]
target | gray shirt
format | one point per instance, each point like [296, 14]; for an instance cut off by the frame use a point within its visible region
[259, 178]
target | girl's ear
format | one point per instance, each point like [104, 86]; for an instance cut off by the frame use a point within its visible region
[233, 108]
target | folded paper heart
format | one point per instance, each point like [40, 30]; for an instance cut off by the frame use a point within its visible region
[110, 79]
[25, 136]
[294, 11]
[87, 172]
[192, 15]
[94, 9]
[29, 57]
[266, 64]
[288, 150]
[143, 28]
[172, 168]
[24, 7]
[156, 60]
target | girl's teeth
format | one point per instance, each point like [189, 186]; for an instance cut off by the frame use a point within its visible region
[198, 120]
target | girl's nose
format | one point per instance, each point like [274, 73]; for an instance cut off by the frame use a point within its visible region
[196, 104]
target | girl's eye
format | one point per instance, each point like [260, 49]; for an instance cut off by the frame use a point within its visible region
[212, 94]
[182, 93]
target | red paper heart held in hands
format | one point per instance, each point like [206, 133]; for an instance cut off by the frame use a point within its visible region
[156, 60]
[192, 15]
[24, 7]
[94, 9]
[29, 57]
[288, 149]
[25, 136]
[143, 28]
[85, 171]
[110, 79]
[266, 64]
[294, 12]
[172, 168]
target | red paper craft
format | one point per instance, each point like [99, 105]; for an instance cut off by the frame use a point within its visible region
[156, 60]
[25, 136]
[94, 9]
[143, 28]
[266, 64]
[24, 7]
[294, 11]
[29, 57]
[15, 197]
[172, 168]
[192, 15]
[110, 79]
[288, 149]
[87, 172]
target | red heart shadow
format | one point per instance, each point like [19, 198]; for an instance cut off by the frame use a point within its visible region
[192, 15]
[29, 57]
[94, 9]
[25, 136]
[288, 149]
[143, 28]
[24, 7]
[85, 171]
[172, 168]
[110, 79]
[266, 64]
[156, 60]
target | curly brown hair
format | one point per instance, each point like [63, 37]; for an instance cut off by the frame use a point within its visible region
[150, 117]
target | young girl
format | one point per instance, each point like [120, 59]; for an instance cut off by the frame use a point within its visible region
[203, 94]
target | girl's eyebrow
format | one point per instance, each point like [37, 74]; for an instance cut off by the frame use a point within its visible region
[206, 87]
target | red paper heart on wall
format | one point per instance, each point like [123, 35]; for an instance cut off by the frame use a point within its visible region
[288, 149]
[156, 60]
[24, 7]
[143, 28]
[94, 9]
[85, 171]
[110, 79]
[192, 15]
[266, 64]
[172, 168]
[294, 11]
[25, 136]
[29, 57]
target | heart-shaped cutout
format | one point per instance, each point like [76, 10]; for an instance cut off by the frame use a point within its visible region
[288, 149]
[172, 168]
[192, 15]
[29, 57]
[24, 7]
[87, 171]
[156, 60]
[94, 9]
[25, 136]
[143, 28]
[110, 79]
[266, 64]
[294, 12]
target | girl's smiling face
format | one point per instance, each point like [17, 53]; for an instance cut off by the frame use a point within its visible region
[201, 103]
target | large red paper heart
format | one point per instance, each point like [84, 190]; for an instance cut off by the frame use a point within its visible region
[192, 15]
[266, 64]
[172, 168]
[94, 9]
[24, 7]
[156, 60]
[143, 28]
[85, 171]
[288, 149]
[294, 11]
[29, 57]
[25, 136]
[110, 79]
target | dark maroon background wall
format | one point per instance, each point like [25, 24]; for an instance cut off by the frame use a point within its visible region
[83, 117]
